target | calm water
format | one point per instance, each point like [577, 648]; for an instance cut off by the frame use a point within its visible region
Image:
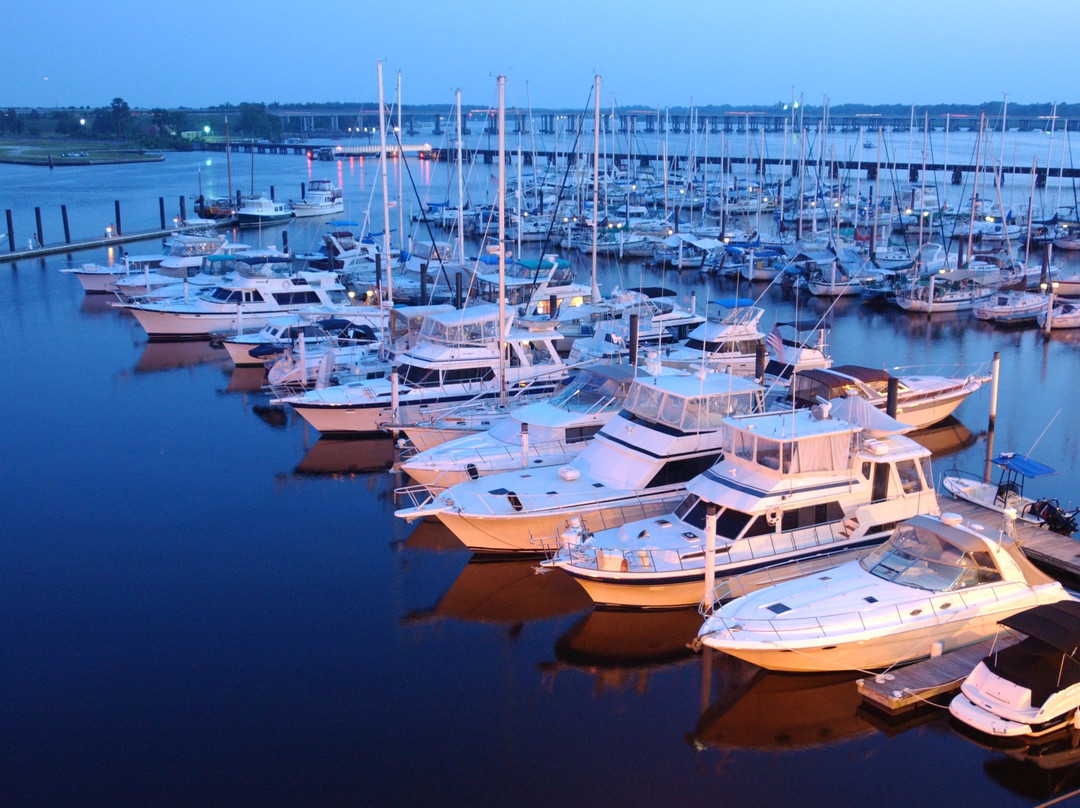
[202, 603]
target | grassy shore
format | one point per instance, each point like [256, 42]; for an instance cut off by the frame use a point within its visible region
[67, 152]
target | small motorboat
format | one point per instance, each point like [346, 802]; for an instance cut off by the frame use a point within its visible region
[1008, 492]
[1030, 690]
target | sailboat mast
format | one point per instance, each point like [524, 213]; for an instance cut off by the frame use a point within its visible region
[502, 235]
[385, 192]
[460, 190]
[974, 188]
[595, 183]
[228, 156]
[400, 170]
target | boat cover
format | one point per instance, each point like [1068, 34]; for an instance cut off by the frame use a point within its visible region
[1056, 624]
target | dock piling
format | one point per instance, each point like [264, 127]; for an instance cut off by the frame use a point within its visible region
[40, 232]
[67, 230]
[161, 210]
[10, 233]
[116, 207]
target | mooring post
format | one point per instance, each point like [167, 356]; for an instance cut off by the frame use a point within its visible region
[759, 363]
[994, 370]
[634, 337]
[40, 233]
[303, 191]
[423, 283]
[457, 288]
[67, 230]
[116, 207]
[183, 209]
[10, 233]
[271, 193]
[285, 241]
[161, 210]
[892, 396]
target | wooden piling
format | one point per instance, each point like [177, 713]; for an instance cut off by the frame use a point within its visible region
[10, 233]
[634, 337]
[67, 230]
[161, 210]
[40, 232]
[183, 209]
[892, 396]
[995, 369]
[116, 208]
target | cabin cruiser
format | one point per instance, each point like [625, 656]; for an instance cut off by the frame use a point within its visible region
[544, 433]
[455, 359]
[934, 586]
[793, 492]
[922, 400]
[728, 341]
[1029, 691]
[321, 198]
[669, 431]
[339, 347]
[261, 209]
[100, 279]
[265, 286]
[192, 260]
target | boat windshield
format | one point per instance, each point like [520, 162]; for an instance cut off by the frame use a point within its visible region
[918, 557]
[591, 392]
[688, 414]
[828, 452]
[455, 333]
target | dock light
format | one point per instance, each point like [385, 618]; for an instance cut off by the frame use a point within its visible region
[206, 130]
[82, 121]
[108, 232]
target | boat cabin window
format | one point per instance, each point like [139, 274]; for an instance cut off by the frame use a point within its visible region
[223, 294]
[459, 333]
[746, 347]
[822, 513]
[817, 453]
[918, 557]
[681, 471]
[578, 434]
[304, 298]
[909, 476]
[461, 375]
[418, 376]
[590, 392]
[687, 415]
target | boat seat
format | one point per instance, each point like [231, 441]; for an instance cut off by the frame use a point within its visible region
[1006, 491]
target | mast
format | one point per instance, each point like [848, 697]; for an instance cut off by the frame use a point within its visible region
[385, 192]
[228, 156]
[460, 196]
[398, 162]
[595, 290]
[502, 235]
[974, 188]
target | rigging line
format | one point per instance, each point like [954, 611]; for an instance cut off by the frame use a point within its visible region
[424, 219]
[1032, 449]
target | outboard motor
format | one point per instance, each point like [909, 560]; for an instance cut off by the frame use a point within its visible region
[1058, 520]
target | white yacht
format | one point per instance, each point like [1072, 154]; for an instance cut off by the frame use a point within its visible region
[934, 586]
[100, 279]
[455, 359]
[264, 287]
[191, 258]
[794, 491]
[728, 341]
[544, 433]
[321, 198]
[922, 400]
[638, 465]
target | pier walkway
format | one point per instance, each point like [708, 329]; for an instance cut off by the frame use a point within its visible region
[83, 244]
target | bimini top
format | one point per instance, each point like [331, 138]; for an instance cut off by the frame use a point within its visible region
[1056, 624]
[1023, 465]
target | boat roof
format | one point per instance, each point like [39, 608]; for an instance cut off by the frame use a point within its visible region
[1023, 465]
[789, 425]
[863, 374]
[804, 325]
[966, 539]
[1056, 624]
[695, 384]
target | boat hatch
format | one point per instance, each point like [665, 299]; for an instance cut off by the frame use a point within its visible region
[778, 608]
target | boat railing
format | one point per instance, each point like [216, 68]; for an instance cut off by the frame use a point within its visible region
[942, 607]
[954, 370]
[415, 496]
[604, 512]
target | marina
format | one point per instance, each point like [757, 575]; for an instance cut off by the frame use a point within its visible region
[208, 601]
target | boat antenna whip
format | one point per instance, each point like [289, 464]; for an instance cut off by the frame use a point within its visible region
[1032, 449]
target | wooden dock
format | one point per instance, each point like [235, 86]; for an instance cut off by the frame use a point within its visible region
[84, 244]
[911, 686]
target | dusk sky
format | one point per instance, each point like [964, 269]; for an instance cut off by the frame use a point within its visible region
[653, 54]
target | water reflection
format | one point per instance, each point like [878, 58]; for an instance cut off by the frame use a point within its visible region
[621, 651]
[334, 456]
[501, 591]
[946, 437]
[764, 711]
[246, 380]
[97, 304]
[158, 356]
[1040, 772]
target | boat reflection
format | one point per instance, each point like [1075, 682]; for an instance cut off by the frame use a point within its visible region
[1040, 772]
[171, 355]
[246, 380]
[432, 535]
[334, 456]
[621, 650]
[946, 437]
[514, 592]
[98, 304]
[776, 711]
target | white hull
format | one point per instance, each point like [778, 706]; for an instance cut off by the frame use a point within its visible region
[305, 209]
[876, 651]
[538, 532]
